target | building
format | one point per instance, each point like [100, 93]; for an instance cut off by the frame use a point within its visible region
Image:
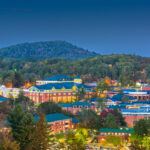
[76, 106]
[63, 91]
[123, 132]
[140, 95]
[3, 99]
[60, 122]
[59, 79]
[146, 88]
[133, 115]
[116, 99]
[9, 92]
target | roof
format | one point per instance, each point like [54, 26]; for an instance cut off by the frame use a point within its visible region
[119, 130]
[77, 77]
[65, 85]
[2, 99]
[57, 117]
[58, 78]
[83, 104]
[117, 98]
[128, 90]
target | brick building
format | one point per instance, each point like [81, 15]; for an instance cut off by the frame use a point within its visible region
[133, 115]
[76, 106]
[123, 132]
[60, 122]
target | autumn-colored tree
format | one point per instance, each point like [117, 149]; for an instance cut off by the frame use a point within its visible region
[41, 136]
[7, 142]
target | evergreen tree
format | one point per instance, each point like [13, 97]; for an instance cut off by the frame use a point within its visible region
[17, 80]
[22, 126]
[141, 127]
[41, 136]
[110, 122]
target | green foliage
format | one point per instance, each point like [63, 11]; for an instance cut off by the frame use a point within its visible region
[17, 80]
[101, 103]
[8, 144]
[120, 119]
[49, 108]
[110, 122]
[21, 126]
[43, 50]
[141, 128]
[41, 137]
[146, 142]
[25, 102]
[102, 86]
[89, 119]
[127, 67]
[80, 94]
[115, 140]
[75, 140]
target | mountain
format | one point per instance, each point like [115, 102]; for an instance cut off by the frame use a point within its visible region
[45, 50]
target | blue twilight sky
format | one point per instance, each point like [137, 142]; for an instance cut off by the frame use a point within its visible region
[103, 26]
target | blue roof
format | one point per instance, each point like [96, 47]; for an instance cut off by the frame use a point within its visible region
[66, 85]
[77, 77]
[135, 110]
[74, 104]
[58, 78]
[128, 90]
[75, 121]
[117, 98]
[56, 117]
[2, 99]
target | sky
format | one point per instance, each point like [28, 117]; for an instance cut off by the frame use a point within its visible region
[103, 26]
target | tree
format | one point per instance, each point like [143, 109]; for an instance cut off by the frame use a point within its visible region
[41, 136]
[80, 94]
[118, 116]
[141, 128]
[115, 140]
[4, 110]
[136, 142]
[21, 125]
[7, 144]
[102, 86]
[26, 103]
[110, 122]
[89, 119]
[146, 142]
[125, 99]
[76, 139]
[49, 108]
[101, 103]
[120, 119]
[17, 80]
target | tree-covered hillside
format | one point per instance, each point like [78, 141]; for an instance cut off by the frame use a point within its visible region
[121, 67]
[45, 50]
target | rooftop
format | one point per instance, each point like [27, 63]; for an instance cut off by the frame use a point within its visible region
[119, 130]
[65, 85]
[57, 117]
[74, 104]
[2, 99]
[58, 78]
[118, 98]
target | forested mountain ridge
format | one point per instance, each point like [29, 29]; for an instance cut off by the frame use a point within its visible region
[126, 68]
[46, 50]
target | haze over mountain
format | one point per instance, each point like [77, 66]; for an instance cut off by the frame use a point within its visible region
[44, 50]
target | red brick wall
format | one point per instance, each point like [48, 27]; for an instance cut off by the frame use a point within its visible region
[131, 118]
